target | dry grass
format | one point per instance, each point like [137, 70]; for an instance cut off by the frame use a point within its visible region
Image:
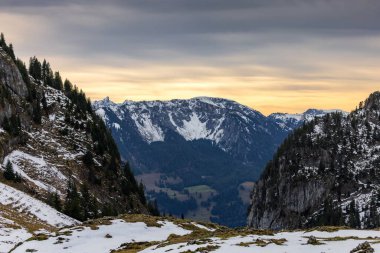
[134, 247]
[263, 242]
[24, 220]
[205, 249]
[329, 229]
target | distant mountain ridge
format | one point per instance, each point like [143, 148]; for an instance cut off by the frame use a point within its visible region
[291, 121]
[194, 142]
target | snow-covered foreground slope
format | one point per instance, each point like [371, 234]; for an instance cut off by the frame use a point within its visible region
[21, 202]
[139, 233]
[292, 242]
[11, 234]
[104, 238]
[22, 215]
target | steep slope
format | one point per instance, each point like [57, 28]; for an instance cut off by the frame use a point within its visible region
[54, 147]
[197, 157]
[325, 173]
[22, 216]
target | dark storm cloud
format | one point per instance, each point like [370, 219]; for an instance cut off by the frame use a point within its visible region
[197, 28]
[293, 45]
[230, 15]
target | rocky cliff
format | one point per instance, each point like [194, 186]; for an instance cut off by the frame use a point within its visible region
[325, 173]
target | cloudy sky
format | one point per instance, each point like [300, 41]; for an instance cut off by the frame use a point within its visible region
[272, 55]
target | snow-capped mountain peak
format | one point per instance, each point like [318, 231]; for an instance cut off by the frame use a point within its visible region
[289, 121]
[193, 119]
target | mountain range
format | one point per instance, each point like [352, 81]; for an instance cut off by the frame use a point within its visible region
[198, 157]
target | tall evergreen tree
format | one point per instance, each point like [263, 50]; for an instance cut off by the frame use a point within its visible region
[37, 112]
[9, 173]
[354, 217]
[72, 202]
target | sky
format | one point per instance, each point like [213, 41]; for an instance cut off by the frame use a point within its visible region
[271, 55]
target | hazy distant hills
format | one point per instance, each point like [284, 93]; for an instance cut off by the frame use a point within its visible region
[198, 157]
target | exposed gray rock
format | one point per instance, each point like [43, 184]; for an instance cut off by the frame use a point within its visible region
[364, 247]
[10, 76]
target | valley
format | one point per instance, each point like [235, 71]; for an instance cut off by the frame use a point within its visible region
[198, 157]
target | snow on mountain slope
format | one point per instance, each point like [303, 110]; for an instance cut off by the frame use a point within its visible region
[11, 235]
[146, 234]
[22, 202]
[193, 119]
[197, 118]
[29, 166]
[290, 121]
[21, 216]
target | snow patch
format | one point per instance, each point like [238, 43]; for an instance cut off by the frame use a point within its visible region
[116, 126]
[10, 236]
[21, 160]
[147, 129]
[193, 129]
[95, 241]
[22, 202]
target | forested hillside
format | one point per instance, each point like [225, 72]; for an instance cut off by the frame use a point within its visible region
[55, 148]
[325, 173]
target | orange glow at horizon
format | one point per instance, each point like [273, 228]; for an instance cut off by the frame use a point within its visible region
[263, 93]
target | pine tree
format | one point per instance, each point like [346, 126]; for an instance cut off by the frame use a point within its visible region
[2, 40]
[85, 203]
[88, 159]
[57, 202]
[58, 84]
[354, 217]
[142, 193]
[11, 52]
[67, 86]
[72, 202]
[37, 112]
[6, 124]
[35, 68]
[153, 208]
[9, 173]
[18, 178]
[44, 102]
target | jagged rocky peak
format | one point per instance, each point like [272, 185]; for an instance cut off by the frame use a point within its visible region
[105, 102]
[10, 76]
[325, 173]
[373, 102]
